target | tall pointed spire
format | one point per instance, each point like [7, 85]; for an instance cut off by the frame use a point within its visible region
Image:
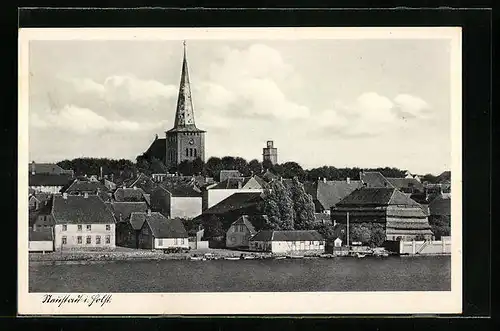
[184, 115]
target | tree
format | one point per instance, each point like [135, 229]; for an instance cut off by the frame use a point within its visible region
[360, 232]
[267, 165]
[254, 166]
[377, 235]
[293, 169]
[327, 231]
[213, 227]
[277, 204]
[303, 206]
[440, 226]
[213, 167]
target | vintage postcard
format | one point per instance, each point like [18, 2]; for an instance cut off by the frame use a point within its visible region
[240, 171]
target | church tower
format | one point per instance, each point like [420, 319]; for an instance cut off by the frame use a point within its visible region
[184, 141]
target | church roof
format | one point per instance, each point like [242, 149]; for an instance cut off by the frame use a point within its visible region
[184, 115]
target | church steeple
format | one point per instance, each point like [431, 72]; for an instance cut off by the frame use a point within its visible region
[184, 142]
[184, 115]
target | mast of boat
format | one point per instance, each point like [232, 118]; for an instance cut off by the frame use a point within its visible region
[348, 229]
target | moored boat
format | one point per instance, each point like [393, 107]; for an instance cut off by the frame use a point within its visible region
[231, 258]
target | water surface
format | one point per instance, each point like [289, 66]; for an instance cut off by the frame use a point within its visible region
[429, 273]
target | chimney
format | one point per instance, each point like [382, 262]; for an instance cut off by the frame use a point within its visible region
[324, 179]
[120, 217]
[348, 180]
[149, 212]
[239, 184]
[135, 187]
[65, 196]
[100, 173]
[124, 186]
[112, 177]
[32, 166]
[85, 195]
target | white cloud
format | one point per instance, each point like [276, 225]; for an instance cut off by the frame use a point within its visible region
[412, 105]
[83, 121]
[371, 113]
[247, 83]
[132, 88]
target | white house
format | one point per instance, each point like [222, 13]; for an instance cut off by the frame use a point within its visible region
[82, 221]
[40, 240]
[295, 241]
[239, 233]
[158, 232]
[177, 201]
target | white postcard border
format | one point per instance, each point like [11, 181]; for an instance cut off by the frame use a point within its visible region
[247, 302]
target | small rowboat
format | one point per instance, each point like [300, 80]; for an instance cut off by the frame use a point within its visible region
[296, 256]
[248, 257]
[279, 257]
[231, 258]
[197, 258]
[359, 255]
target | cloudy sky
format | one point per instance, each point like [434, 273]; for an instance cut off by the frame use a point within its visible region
[364, 103]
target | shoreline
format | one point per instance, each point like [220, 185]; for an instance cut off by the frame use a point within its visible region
[116, 256]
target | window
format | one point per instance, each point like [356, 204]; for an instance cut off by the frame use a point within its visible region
[108, 227]
[190, 152]
[108, 239]
[79, 227]
[195, 152]
[187, 150]
[160, 242]
[98, 240]
[79, 239]
[183, 241]
[65, 227]
[64, 240]
[89, 227]
[89, 240]
[175, 241]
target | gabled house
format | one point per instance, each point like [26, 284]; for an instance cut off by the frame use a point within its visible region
[81, 187]
[326, 193]
[82, 221]
[239, 233]
[126, 234]
[400, 217]
[216, 193]
[288, 242]
[158, 232]
[177, 199]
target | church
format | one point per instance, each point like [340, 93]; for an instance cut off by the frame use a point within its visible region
[184, 141]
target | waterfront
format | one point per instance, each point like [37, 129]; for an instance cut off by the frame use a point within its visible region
[417, 273]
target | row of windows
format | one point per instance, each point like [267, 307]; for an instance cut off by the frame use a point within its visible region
[88, 240]
[239, 228]
[191, 152]
[177, 241]
[89, 227]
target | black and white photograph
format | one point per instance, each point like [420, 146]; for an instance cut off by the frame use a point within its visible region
[231, 171]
